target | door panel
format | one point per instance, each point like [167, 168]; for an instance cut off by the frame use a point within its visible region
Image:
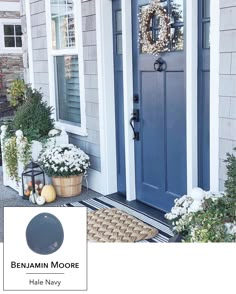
[160, 154]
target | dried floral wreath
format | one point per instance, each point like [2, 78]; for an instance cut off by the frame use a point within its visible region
[145, 17]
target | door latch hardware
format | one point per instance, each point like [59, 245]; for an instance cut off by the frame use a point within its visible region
[134, 118]
[160, 65]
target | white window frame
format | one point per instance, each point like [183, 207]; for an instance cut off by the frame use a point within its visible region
[78, 50]
[3, 49]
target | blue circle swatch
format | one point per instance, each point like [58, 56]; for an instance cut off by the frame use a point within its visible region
[44, 234]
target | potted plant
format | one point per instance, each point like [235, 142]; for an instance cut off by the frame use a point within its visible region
[24, 137]
[204, 217]
[66, 164]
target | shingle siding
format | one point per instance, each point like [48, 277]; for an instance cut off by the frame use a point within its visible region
[227, 127]
[91, 143]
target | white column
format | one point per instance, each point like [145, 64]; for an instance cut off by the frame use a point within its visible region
[106, 95]
[191, 92]
[29, 40]
[214, 94]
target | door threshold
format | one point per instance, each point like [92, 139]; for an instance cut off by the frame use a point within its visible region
[144, 208]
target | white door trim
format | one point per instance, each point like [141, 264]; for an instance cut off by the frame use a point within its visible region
[106, 95]
[191, 29]
[128, 97]
[214, 94]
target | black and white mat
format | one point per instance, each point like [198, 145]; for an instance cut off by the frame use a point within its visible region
[165, 232]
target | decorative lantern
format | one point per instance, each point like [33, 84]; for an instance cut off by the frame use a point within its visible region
[33, 180]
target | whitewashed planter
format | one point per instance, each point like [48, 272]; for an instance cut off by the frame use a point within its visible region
[36, 149]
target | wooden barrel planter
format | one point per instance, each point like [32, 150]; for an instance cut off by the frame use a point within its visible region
[67, 186]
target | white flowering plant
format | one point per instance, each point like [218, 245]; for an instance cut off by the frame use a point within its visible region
[64, 160]
[204, 217]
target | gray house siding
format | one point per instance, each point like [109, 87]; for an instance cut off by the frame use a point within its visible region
[39, 46]
[90, 143]
[227, 114]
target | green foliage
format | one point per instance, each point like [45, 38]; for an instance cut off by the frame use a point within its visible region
[33, 117]
[17, 92]
[208, 225]
[12, 155]
[230, 183]
[215, 219]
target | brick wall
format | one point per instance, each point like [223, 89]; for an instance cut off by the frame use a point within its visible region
[227, 113]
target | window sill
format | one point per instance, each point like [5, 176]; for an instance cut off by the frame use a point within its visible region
[11, 50]
[72, 129]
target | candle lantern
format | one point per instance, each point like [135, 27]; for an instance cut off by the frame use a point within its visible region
[33, 180]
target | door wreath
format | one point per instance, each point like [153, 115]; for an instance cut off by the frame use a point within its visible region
[146, 41]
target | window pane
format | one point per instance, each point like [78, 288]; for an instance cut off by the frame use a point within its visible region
[118, 21]
[206, 8]
[62, 6]
[9, 42]
[70, 5]
[18, 30]
[177, 8]
[206, 35]
[119, 44]
[9, 30]
[63, 32]
[177, 38]
[18, 42]
[54, 8]
[68, 93]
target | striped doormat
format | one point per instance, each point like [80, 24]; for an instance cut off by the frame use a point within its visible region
[165, 232]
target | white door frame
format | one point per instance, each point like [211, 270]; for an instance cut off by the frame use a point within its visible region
[104, 29]
[214, 94]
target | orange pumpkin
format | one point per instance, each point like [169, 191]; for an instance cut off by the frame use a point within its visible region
[27, 193]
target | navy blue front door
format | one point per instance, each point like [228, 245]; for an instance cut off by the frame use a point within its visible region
[119, 97]
[160, 152]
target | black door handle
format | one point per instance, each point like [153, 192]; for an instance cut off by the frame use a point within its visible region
[134, 118]
[160, 65]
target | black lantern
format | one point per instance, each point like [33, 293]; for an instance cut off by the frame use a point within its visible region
[33, 179]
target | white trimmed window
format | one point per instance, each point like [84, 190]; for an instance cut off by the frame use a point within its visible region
[65, 50]
[12, 36]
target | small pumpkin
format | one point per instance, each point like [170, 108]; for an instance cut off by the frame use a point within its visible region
[40, 200]
[49, 193]
[32, 197]
[27, 193]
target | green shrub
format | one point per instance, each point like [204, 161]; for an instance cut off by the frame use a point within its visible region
[230, 183]
[17, 93]
[34, 116]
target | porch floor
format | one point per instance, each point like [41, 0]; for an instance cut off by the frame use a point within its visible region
[10, 198]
